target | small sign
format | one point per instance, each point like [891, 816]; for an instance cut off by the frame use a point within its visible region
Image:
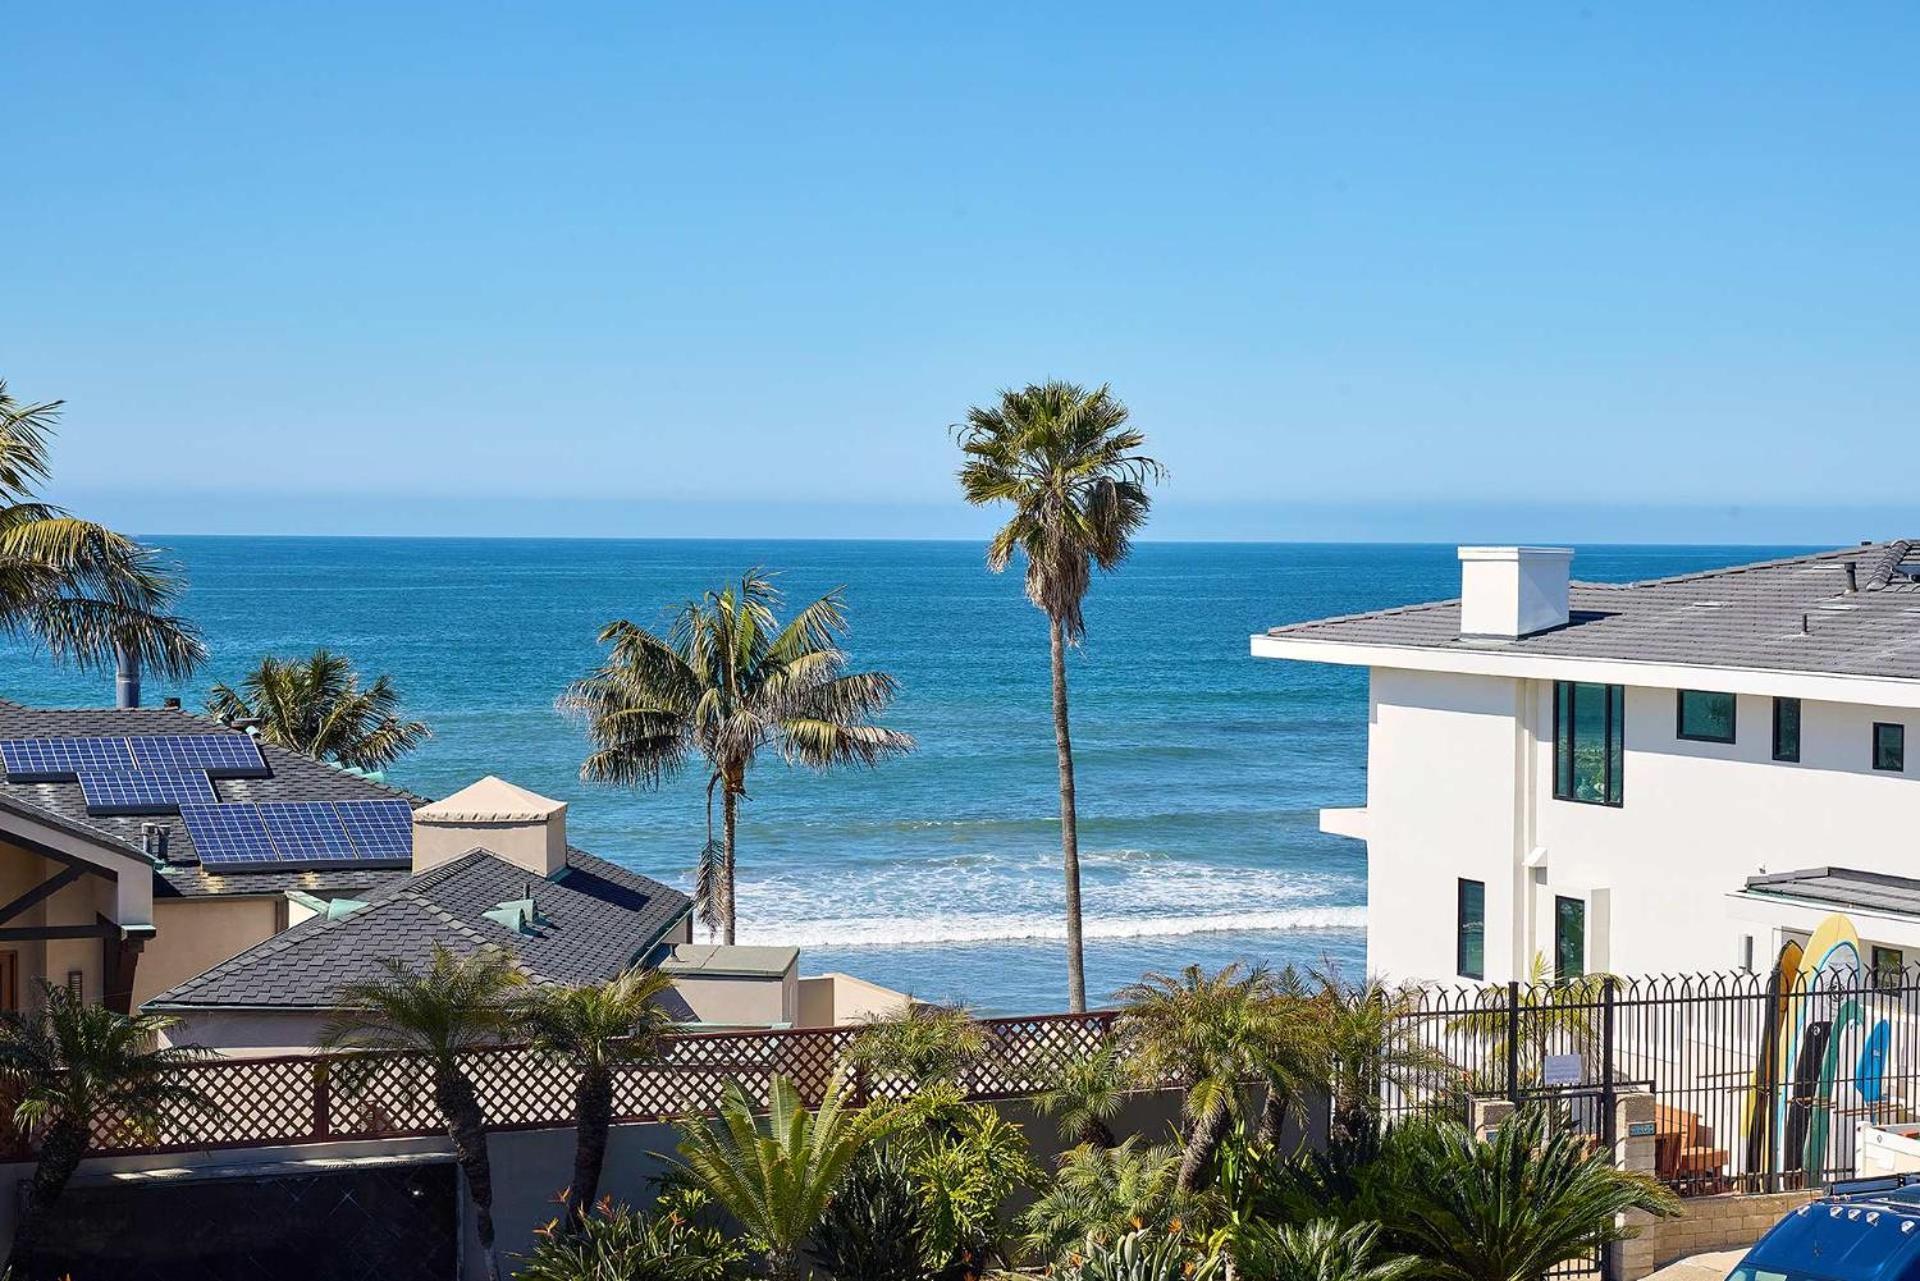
[1561, 1069]
[1640, 1129]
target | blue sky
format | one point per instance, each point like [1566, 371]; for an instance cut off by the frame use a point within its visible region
[1610, 271]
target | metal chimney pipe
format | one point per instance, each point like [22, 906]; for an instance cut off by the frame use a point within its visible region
[126, 679]
[1852, 569]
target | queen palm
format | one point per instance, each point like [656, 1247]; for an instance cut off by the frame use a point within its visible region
[594, 1029]
[726, 681]
[73, 1066]
[439, 1014]
[89, 595]
[1064, 459]
[317, 707]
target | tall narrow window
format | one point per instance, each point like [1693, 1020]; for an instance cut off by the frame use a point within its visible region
[1889, 746]
[1569, 938]
[1786, 729]
[1703, 716]
[1470, 948]
[1589, 742]
[1889, 967]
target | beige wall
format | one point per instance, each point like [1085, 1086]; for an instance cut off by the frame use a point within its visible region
[81, 903]
[836, 1000]
[248, 1033]
[193, 935]
[1706, 1224]
[730, 1000]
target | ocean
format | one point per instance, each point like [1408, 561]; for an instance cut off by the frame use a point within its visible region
[1200, 770]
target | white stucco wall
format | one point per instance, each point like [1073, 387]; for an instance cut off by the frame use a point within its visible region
[1460, 785]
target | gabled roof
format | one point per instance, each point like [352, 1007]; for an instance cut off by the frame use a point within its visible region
[1791, 615]
[592, 920]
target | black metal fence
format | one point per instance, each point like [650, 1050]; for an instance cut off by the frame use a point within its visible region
[1759, 1083]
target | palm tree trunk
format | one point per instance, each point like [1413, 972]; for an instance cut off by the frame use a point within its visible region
[60, 1155]
[1097, 1133]
[728, 807]
[1273, 1116]
[466, 1126]
[593, 1115]
[1069, 824]
[1202, 1140]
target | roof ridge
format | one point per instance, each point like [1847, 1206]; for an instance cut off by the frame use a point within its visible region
[1727, 571]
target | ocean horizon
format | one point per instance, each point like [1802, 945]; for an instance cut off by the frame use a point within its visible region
[1201, 770]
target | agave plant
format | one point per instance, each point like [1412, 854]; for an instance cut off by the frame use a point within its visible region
[1147, 1256]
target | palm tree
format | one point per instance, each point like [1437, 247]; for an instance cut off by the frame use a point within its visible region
[725, 681]
[774, 1180]
[1212, 1033]
[594, 1029]
[1365, 1043]
[454, 1006]
[1510, 1208]
[1322, 1250]
[1085, 1095]
[316, 706]
[1072, 470]
[89, 595]
[921, 1045]
[75, 1066]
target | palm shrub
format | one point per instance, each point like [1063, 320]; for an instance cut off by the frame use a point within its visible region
[1147, 1256]
[1085, 1094]
[921, 1045]
[594, 1029]
[1511, 1208]
[872, 1229]
[1065, 461]
[437, 1015]
[775, 1178]
[1322, 1250]
[1098, 1195]
[726, 681]
[316, 706]
[617, 1243]
[75, 1066]
[1364, 1043]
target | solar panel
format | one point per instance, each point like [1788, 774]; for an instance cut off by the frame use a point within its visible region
[227, 835]
[144, 791]
[58, 760]
[220, 755]
[378, 829]
[306, 832]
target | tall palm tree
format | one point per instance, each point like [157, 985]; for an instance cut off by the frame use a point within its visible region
[594, 1029]
[725, 681]
[316, 706]
[74, 1066]
[1071, 469]
[1212, 1033]
[89, 595]
[775, 1180]
[439, 1014]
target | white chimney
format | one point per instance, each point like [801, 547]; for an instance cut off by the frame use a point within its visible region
[1509, 592]
[522, 827]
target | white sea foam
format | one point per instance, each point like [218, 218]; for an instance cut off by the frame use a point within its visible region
[913, 931]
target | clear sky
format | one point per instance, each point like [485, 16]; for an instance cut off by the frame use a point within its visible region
[1521, 270]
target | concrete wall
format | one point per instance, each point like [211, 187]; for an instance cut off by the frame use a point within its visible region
[1460, 783]
[837, 1000]
[249, 1033]
[192, 936]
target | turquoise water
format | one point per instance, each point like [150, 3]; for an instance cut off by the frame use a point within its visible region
[1201, 771]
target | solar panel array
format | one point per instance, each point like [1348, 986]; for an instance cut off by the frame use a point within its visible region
[139, 774]
[301, 833]
[60, 760]
[144, 791]
[219, 755]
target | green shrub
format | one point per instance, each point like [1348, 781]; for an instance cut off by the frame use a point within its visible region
[617, 1243]
[1320, 1251]
[872, 1229]
[1147, 1256]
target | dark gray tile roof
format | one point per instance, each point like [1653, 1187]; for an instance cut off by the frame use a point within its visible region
[598, 920]
[1842, 887]
[1744, 616]
[295, 778]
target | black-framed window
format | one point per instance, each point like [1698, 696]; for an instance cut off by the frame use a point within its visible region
[1470, 946]
[1569, 938]
[1889, 965]
[1704, 716]
[1589, 742]
[1786, 729]
[1889, 746]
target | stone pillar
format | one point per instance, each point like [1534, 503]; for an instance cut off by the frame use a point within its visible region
[1486, 1116]
[1633, 1149]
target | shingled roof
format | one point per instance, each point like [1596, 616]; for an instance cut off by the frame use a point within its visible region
[592, 920]
[1792, 615]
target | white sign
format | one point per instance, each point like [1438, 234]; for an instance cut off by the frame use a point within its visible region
[1561, 1069]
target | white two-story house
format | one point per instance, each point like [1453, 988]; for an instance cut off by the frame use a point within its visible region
[1665, 776]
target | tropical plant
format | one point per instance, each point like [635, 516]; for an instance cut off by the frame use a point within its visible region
[1211, 1033]
[1552, 1014]
[72, 1066]
[1322, 1250]
[613, 1242]
[439, 1014]
[88, 595]
[920, 1045]
[594, 1029]
[1071, 469]
[774, 1179]
[317, 707]
[1100, 1194]
[1085, 1095]
[1147, 1256]
[966, 1162]
[872, 1228]
[726, 680]
[1366, 1042]
[1510, 1208]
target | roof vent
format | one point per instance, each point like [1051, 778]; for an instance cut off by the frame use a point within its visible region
[525, 829]
[1852, 571]
[153, 841]
[521, 915]
[1510, 592]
